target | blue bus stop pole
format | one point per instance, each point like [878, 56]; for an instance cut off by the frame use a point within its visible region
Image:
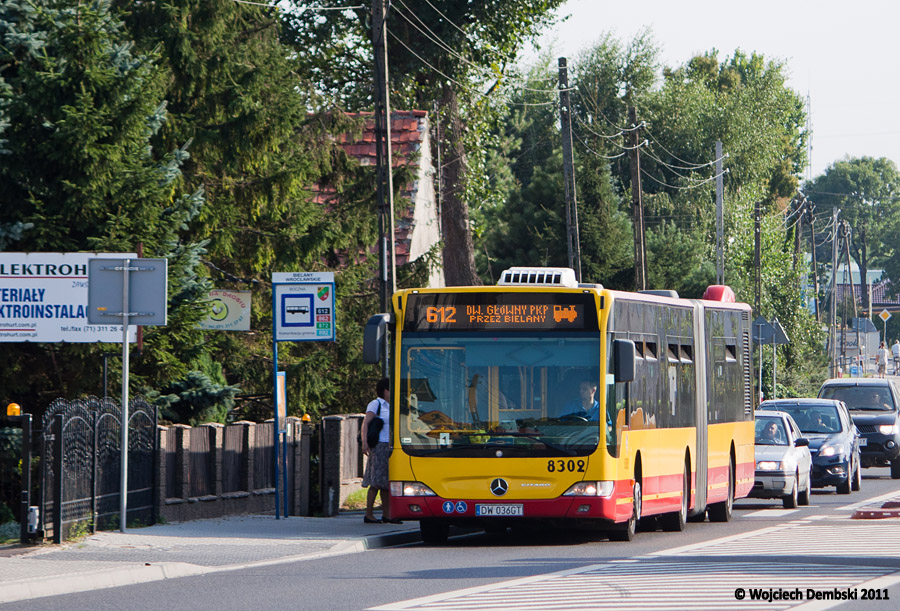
[275, 405]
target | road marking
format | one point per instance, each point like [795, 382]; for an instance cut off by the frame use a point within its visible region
[659, 584]
[661, 581]
[871, 501]
[849, 538]
[878, 583]
[676, 551]
[769, 513]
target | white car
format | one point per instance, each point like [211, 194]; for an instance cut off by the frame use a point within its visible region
[783, 461]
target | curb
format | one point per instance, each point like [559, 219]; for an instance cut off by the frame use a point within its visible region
[133, 574]
[875, 514]
[889, 509]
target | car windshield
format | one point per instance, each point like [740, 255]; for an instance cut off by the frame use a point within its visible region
[467, 395]
[770, 432]
[877, 398]
[812, 419]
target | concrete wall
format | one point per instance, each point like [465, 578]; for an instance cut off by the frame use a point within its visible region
[254, 497]
[341, 465]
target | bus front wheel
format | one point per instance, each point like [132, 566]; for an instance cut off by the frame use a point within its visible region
[626, 531]
[676, 520]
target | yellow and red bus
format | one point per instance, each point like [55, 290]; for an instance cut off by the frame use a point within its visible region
[545, 399]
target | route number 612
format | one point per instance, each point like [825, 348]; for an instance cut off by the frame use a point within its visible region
[446, 314]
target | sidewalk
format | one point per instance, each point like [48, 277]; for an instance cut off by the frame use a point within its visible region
[165, 551]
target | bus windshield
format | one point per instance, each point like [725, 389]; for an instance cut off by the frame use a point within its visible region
[472, 395]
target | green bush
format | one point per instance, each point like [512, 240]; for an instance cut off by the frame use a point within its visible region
[6, 515]
[9, 532]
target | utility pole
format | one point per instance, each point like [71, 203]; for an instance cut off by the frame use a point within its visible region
[832, 348]
[798, 229]
[847, 233]
[843, 325]
[757, 260]
[565, 119]
[640, 253]
[384, 174]
[810, 209]
[720, 217]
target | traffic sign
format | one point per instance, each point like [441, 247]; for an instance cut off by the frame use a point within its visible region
[884, 315]
[762, 330]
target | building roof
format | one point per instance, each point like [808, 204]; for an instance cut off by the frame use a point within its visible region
[409, 140]
[881, 299]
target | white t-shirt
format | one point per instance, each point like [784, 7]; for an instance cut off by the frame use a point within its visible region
[382, 409]
[882, 356]
[896, 349]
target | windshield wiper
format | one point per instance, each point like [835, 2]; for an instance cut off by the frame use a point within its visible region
[537, 438]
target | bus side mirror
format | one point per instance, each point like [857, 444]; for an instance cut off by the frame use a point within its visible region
[623, 360]
[374, 337]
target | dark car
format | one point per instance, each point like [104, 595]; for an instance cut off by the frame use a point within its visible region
[873, 404]
[833, 440]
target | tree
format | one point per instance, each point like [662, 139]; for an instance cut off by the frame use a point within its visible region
[867, 192]
[263, 143]
[454, 54]
[80, 174]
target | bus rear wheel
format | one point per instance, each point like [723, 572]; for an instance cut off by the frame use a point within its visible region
[434, 532]
[626, 531]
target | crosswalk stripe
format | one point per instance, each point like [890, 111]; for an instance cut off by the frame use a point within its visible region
[823, 538]
[871, 501]
[656, 584]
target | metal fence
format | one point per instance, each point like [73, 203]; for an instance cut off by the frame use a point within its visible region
[10, 472]
[81, 461]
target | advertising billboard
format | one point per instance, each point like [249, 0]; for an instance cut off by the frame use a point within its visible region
[44, 298]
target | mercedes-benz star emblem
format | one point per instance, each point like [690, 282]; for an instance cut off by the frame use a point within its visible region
[499, 487]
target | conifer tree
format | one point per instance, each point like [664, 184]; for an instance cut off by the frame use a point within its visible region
[79, 173]
[262, 144]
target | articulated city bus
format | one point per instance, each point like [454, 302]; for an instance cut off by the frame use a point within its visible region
[545, 399]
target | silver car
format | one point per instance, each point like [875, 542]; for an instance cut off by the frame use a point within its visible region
[783, 461]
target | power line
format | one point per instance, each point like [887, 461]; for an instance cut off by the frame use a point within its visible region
[302, 9]
[674, 156]
[674, 167]
[683, 188]
[598, 134]
[595, 153]
[671, 168]
[447, 19]
[605, 118]
[462, 85]
[430, 35]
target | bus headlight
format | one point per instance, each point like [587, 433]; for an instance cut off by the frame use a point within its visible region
[768, 465]
[411, 489]
[603, 489]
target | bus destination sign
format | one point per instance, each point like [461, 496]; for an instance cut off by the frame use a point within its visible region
[500, 311]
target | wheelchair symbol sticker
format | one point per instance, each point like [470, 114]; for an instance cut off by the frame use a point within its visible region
[461, 507]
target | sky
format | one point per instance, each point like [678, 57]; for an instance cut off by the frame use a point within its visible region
[844, 55]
